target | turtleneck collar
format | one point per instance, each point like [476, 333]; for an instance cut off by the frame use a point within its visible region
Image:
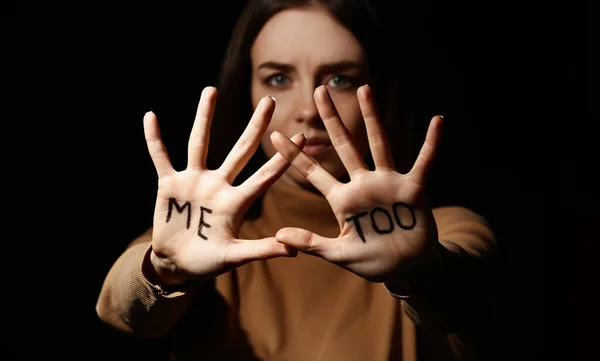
[289, 205]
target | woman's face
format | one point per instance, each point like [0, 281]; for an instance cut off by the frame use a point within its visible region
[296, 51]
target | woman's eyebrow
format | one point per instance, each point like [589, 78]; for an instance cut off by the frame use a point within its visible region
[323, 68]
[276, 65]
[340, 66]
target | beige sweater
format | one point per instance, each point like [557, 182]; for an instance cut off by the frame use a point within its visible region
[305, 308]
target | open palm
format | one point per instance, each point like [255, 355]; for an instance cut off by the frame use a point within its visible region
[198, 212]
[386, 225]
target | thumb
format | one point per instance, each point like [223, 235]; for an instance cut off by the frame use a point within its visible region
[305, 241]
[248, 250]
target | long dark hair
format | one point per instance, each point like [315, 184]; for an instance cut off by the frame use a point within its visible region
[362, 19]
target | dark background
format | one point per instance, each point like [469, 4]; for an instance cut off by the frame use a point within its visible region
[80, 78]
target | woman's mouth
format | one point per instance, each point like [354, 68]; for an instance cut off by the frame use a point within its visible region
[316, 146]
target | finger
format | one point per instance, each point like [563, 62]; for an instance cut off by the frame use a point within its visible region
[247, 250]
[156, 147]
[307, 166]
[378, 140]
[200, 135]
[422, 167]
[264, 177]
[249, 141]
[307, 242]
[340, 137]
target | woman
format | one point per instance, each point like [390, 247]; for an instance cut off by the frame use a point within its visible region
[379, 276]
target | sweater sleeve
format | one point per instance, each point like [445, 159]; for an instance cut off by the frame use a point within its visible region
[130, 303]
[461, 300]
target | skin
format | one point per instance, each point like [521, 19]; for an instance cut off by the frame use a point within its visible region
[179, 253]
[289, 60]
[320, 103]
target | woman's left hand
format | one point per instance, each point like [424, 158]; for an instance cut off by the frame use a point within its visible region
[387, 230]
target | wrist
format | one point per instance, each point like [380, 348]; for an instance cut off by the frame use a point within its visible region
[156, 273]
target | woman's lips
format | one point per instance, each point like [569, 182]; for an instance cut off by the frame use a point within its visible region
[315, 147]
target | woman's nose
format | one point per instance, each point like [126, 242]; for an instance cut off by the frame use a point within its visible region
[306, 109]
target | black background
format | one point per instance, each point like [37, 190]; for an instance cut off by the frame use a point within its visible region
[80, 78]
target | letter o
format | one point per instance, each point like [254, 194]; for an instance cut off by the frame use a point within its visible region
[374, 224]
[412, 215]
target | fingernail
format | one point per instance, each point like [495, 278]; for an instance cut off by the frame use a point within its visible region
[367, 92]
[271, 97]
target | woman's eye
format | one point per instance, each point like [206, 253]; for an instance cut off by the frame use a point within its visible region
[340, 81]
[277, 80]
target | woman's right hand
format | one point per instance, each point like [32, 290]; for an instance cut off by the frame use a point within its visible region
[198, 212]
